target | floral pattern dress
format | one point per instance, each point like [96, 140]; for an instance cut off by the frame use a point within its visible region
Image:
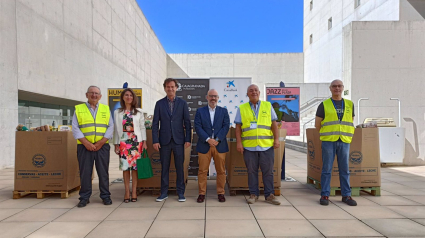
[130, 148]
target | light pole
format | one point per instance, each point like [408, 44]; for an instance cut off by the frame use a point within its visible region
[358, 109]
[399, 110]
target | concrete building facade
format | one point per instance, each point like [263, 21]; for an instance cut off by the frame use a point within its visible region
[51, 51]
[376, 47]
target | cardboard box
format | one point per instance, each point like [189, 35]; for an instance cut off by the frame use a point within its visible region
[237, 174]
[46, 161]
[155, 181]
[364, 164]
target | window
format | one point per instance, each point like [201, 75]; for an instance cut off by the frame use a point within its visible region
[311, 5]
[329, 23]
[357, 3]
[311, 38]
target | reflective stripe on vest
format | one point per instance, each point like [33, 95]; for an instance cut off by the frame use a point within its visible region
[262, 135]
[92, 130]
[332, 129]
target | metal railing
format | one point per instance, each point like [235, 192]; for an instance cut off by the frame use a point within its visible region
[310, 103]
[304, 128]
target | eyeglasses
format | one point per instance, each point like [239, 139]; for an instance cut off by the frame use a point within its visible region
[337, 86]
[213, 96]
[93, 93]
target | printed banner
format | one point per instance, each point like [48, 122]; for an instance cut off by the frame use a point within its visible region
[232, 93]
[193, 91]
[114, 98]
[286, 103]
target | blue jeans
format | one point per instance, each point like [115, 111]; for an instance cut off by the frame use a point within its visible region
[341, 149]
[265, 161]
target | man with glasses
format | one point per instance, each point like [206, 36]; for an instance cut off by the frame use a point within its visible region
[334, 121]
[92, 126]
[212, 124]
[257, 136]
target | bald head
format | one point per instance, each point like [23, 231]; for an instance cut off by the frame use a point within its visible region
[336, 88]
[212, 98]
[337, 82]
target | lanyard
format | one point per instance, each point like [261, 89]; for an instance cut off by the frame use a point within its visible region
[253, 113]
[339, 114]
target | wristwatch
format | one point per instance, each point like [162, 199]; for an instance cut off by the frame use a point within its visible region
[218, 140]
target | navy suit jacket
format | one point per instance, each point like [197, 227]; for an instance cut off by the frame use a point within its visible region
[165, 125]
[204, 128]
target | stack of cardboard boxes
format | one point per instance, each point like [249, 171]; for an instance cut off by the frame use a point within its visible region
[237, 174]
[364, 161]
[46, 161]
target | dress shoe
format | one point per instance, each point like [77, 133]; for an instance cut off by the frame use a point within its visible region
[83, 203]
[221, 198]
[201, 198]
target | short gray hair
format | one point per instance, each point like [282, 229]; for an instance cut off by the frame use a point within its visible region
[93, 86]
[251, 86]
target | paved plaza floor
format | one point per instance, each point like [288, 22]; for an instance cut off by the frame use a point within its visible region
[399, 212]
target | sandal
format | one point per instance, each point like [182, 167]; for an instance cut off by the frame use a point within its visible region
[126, 200]
[133, 199]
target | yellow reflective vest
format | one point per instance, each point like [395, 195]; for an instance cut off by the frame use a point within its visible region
[332, 128]
[93, 130]
[262, 135]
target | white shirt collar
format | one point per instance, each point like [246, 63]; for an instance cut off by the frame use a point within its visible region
[212, 109]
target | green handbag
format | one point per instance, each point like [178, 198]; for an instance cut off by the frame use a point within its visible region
[144, 167]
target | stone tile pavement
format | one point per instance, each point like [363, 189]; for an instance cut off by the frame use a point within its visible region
[399, 212]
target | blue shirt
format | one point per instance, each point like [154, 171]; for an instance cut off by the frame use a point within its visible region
[238, 120]
[76, 132]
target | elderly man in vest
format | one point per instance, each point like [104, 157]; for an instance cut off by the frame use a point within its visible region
[92, 126]
[257, 137]
[334, 121]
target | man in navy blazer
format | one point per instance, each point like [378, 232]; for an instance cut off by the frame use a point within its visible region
[211, 125]
[169, 134]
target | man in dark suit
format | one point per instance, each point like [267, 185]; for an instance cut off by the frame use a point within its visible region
[170, 114]
[211, 125]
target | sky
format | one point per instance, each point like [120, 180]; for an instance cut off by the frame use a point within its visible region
[226, 26]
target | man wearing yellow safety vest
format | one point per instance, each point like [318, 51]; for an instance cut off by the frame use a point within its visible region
[92, 126]
[334, 121]
[256, 137]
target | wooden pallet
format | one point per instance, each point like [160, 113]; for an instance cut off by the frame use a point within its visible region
[233, 191]
[156, 191]
[355, 191]
[42, 193]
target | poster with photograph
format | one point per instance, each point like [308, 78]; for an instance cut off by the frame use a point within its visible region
[286, 103]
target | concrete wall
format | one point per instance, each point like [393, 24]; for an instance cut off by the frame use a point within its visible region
[323, 60]
[8, 82]
[59, 48]
[388, 60]
[262, 68]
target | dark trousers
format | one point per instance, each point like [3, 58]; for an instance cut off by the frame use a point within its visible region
[265, 161]
[86, 160]
[165, 156]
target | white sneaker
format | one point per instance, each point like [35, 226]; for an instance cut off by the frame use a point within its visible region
[182, 198]
[161, 198]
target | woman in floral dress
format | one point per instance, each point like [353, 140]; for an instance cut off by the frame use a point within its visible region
[129, 139]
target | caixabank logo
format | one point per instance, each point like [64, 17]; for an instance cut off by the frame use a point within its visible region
[155, 158]
[39, 160]
[310, 148]
[356, 157]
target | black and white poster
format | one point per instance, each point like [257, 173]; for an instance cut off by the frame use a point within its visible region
[193, 91]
